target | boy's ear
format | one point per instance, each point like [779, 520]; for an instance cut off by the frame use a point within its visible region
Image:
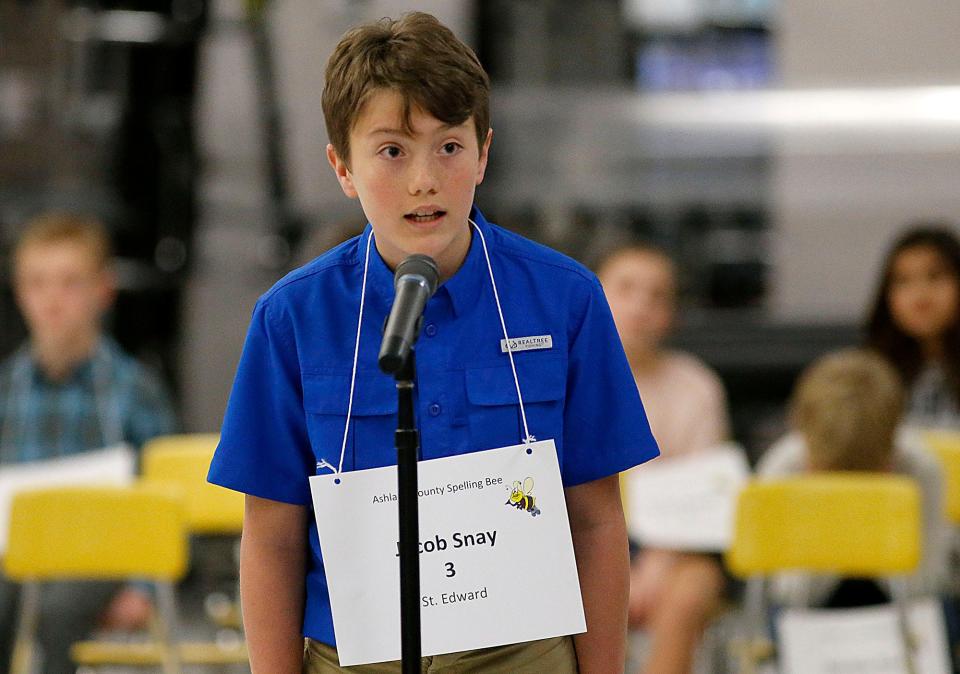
[484, 155]
[344, 177]
[107, 288]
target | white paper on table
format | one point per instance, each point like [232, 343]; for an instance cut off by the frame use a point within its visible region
[851, 641]
[110, 466]
[686, 503]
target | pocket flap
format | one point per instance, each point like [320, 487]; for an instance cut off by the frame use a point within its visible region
[375, 393]
[540, 381]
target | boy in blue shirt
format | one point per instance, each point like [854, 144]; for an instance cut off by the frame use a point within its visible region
[406, 107]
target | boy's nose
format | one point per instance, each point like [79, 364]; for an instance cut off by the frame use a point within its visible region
[424, 179]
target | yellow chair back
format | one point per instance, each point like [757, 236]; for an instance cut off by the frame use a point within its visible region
[946, 446]
[183, 461]
[96, 533]
[852, 523]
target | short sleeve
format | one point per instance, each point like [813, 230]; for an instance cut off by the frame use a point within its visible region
[264, 449]
[605, 426]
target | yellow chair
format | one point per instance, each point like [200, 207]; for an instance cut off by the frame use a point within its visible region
[97, 533]
[182, 461]
[946, 446]
[210, 653]
[859, 524]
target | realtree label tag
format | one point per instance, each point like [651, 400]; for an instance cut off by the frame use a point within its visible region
[527, 343]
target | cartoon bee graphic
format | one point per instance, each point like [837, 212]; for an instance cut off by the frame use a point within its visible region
[521, 497]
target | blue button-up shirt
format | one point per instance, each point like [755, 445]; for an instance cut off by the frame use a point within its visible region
[288, 407]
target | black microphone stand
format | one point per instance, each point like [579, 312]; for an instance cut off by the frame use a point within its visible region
[408, 443]
[415, 280]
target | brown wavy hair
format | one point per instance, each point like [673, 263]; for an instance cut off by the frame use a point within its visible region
[416, 56]
[886, 337]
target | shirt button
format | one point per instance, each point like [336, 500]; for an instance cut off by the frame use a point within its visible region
[434, 410]
[430, 330]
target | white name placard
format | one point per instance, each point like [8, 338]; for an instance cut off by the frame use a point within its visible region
[496, 558]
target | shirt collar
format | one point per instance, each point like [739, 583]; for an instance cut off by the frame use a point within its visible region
[463, 287]
[81, 373]
[379, 276]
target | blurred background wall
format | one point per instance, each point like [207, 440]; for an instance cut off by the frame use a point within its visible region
[772, 146]
[857, 183]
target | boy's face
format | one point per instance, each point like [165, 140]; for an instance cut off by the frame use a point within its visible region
[640, 288]
[415, 188]
[61, 291]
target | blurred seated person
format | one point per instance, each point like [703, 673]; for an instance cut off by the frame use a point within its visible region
[69, 389]
[915, 322]
[673, 594]
[845, 413]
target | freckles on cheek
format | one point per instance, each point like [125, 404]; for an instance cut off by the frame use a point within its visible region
[384, 183]
[468, 175]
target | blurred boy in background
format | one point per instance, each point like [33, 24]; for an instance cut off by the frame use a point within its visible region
[845, 413]
[70, 389]
[673, 594]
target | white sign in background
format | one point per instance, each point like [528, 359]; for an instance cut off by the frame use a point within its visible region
[687, 502]
[852, 641]
[492, 571]
[109, 466]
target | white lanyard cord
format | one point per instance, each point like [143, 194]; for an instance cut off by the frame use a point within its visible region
[356, 353]
[111, 425]
[19, 387]
[503, 324]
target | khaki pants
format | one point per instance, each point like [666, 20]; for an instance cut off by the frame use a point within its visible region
[555, 656]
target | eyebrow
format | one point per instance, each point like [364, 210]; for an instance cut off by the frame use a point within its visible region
[392, 132]
[402, 132]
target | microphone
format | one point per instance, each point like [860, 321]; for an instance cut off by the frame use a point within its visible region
[415, 281]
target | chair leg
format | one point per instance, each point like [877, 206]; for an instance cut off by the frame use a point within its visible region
[753, 645]
[25, 640]
[899, 594]
[168, 628]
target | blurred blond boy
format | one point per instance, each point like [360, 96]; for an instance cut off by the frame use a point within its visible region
[845, 412]
[70, 389]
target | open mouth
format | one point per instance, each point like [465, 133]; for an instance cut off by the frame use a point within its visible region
[424, 217]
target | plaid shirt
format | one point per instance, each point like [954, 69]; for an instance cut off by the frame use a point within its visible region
[107, 400]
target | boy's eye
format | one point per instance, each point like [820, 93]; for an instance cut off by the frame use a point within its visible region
[940, 275]
[451, 147]
[391, 151]
[899, 281]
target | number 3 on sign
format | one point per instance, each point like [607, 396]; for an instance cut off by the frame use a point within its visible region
[451, 572]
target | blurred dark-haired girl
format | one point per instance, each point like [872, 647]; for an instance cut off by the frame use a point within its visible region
[915, 322]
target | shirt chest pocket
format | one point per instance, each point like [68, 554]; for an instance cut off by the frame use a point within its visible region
[494, 409]
[373, 418]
